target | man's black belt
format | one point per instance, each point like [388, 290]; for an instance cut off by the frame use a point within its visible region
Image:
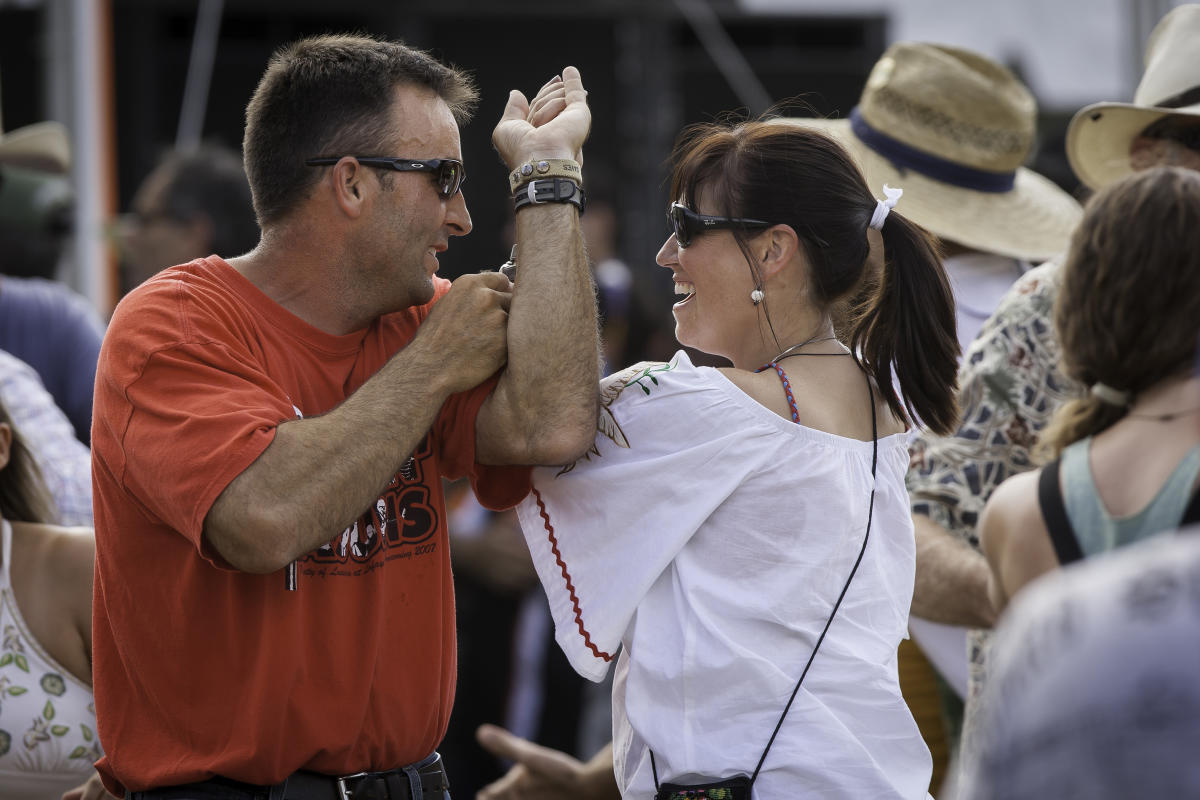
[425, 780]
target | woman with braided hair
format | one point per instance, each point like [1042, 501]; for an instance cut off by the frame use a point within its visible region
[1126, 454]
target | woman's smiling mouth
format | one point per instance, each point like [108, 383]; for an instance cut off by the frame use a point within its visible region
[688, 290]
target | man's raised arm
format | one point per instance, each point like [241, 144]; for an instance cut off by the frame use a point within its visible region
[543, 410]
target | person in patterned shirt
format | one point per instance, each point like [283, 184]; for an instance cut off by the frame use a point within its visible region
[1010, 382]
[64, 461]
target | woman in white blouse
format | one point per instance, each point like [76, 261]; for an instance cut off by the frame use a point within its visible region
[738, 541]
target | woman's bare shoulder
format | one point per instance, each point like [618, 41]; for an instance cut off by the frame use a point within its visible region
[829, 396]
[56, 551]
[1011, 523]
[763, 387]
[741, 378]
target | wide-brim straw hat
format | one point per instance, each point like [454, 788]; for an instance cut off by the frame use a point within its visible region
[43, 146]
[953, 129]
[1100, 135]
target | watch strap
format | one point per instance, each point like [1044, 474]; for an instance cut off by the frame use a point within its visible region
[550, 190]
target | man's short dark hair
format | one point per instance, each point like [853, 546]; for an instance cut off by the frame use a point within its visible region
[209, 181]
[332, 95]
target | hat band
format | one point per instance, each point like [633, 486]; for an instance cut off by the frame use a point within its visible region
[1188, 97]
[904, 157]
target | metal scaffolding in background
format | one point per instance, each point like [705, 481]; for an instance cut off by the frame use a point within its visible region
[199, 74]
[725, 54]
[81, 95]
[669, 62]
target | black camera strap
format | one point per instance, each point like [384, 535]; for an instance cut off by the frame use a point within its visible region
[836, 605]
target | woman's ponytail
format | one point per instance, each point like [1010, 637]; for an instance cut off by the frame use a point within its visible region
[1077, 419]
[904, 320]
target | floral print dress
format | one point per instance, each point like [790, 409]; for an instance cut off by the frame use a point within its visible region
[48, 736]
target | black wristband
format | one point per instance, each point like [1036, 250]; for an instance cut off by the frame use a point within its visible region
[550, 190]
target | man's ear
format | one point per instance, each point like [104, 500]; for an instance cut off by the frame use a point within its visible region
[777, 246]
[5, 443]
[348, 178]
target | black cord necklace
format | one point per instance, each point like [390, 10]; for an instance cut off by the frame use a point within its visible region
[1167, 417]
[787, 351]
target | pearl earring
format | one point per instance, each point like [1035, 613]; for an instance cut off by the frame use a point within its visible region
[756, 296]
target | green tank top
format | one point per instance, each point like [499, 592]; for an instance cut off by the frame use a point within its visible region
[1095, 529]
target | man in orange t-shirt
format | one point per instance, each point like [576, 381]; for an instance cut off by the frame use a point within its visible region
[273, 592]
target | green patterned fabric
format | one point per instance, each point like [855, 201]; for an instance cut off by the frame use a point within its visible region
[1010, 385]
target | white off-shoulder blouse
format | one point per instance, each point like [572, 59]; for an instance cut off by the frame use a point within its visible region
[701, 545]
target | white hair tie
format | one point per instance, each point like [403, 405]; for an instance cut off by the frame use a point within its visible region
[1113, 397]
[884, 206]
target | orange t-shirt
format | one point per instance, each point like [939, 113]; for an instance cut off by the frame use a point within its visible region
[200, 669]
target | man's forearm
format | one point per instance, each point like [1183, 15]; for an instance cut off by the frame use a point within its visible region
[319, 474]
[550, 382]
[952, 578]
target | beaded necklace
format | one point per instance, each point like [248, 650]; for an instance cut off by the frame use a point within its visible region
[783, 378]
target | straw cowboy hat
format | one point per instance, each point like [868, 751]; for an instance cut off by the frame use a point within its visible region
[1100, 135]
[952, 129]
[43, 146]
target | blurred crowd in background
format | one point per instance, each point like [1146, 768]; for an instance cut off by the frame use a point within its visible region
[172, 201]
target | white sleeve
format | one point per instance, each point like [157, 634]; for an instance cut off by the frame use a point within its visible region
[670, 450]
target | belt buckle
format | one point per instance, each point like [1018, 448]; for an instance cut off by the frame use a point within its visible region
[343, 792]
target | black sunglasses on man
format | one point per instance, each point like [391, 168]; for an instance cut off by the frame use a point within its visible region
[448, 173]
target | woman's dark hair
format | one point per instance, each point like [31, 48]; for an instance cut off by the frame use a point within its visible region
[332, 95]
[1128, 307]
[23, 494]
[897, 317]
